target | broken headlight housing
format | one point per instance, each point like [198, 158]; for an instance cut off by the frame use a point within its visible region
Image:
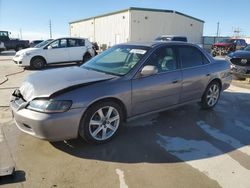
[49, 106]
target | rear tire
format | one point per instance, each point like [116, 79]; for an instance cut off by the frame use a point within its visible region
[211, 95]
[37, 63]
[86, 57]
[106, 118]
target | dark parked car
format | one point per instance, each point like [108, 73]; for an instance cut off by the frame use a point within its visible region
[123, 82]
[240, 63]
[35, 42]
[12, 44]
[171, 38]
[225, 46]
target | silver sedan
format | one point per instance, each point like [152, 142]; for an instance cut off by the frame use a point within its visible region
[124, 82]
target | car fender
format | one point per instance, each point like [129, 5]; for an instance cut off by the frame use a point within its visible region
[39, 53]
[91, 51]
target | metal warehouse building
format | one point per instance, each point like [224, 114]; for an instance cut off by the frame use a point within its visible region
[137, 24]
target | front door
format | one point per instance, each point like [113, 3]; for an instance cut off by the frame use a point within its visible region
[160, 90]
[58, 51]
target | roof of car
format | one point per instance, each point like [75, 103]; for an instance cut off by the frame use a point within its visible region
[157, 43]
[172, 36]
[71, 38]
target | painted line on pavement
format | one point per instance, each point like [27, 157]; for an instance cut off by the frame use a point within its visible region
[207, 159]
[120, 173]
[241, 125]
[1, 135]
[217, 134]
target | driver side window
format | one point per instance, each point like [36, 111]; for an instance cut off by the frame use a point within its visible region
[164, 59]
[61, 43]
[55, 44]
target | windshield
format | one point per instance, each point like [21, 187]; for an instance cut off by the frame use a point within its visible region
[41, 44]
[118, 60]
[247, 48]
[226, 41]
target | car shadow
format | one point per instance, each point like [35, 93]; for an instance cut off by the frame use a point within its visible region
[183, 134]
[7, 53]
[17, 177]
[60, 65]
[55, 66]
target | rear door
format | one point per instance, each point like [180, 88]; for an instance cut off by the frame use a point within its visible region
[195, 72]
[76, 49]
[160, 90]
[58, 53]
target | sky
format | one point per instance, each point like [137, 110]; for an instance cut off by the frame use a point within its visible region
[29, 19]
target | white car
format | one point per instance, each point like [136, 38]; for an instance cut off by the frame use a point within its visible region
[2, 48]
[60, 50]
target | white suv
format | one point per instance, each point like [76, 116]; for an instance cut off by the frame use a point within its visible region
[56, 51]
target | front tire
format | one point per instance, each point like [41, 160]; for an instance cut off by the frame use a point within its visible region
[101, 122]
[37, 63]
[211, 95]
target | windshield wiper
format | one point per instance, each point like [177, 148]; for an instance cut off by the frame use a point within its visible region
[98, 70]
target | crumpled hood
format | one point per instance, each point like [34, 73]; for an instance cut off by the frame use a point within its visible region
[45, 83]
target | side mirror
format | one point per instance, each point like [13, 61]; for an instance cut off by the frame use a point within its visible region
[49, 47]
[149, 70]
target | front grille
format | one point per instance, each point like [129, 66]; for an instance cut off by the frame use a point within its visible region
[237, 61]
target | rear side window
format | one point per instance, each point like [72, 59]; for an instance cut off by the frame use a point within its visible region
[72, 42]
[191, 57]
[243, 43]
[81, 42]
[182, 39]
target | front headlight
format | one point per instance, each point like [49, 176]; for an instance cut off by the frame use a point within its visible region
[228, 58]
[49, 106]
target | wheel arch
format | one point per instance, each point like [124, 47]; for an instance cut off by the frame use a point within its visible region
[216, 80]
[38, 56]
[110, 99]
[87, 53]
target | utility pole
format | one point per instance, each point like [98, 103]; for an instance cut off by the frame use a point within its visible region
[21, 34]
[50, 29]
[218, 28]
[0, 12]
[237, 32]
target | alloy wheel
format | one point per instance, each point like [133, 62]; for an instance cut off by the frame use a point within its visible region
[104, 123]
[213, 94]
